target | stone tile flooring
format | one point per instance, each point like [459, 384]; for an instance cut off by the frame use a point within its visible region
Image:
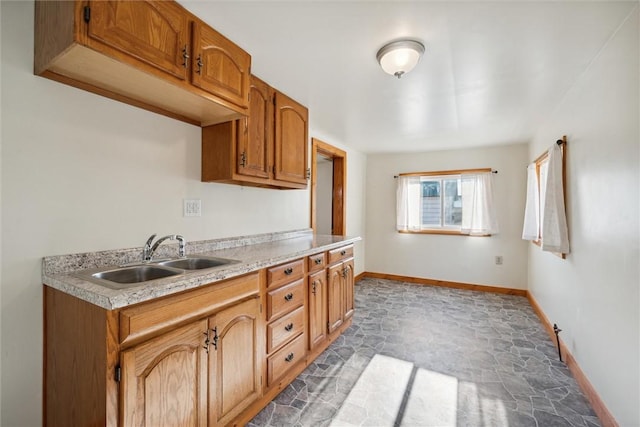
[428, 356]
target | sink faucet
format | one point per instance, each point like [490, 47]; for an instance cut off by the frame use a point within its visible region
[149, 250]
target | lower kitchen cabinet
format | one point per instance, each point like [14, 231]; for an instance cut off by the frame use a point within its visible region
[211, 356]
[210, 366]
[164, 380]
[235, 365]
[340, 290]
[317, 309]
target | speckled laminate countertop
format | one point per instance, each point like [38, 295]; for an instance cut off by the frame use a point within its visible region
[253, 253]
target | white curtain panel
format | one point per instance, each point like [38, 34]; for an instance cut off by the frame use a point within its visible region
[478, 209]
[531, 211]
[555, 234]
[408, 206]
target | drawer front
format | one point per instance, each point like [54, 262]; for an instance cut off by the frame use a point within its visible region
[282, 330]
[317, 262]
[340, 254]
[151, 318]
[284, 359]
[285, 273]
[285, 299]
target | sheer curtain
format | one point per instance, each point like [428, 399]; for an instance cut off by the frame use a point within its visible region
[478, 210]
[408, 206]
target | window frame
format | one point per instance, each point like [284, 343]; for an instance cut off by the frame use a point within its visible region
[444, 230]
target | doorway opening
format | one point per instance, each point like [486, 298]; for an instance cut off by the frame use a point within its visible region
[328, 185]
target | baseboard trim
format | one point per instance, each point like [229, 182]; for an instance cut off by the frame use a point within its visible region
[606, 418]
[359, 277]
[445, 283]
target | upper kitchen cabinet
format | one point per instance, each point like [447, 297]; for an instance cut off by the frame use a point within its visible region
[291, 140]
[268, 148]
[151, 54]
[220, 67]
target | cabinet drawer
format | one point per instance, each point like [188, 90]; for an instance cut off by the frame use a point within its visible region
[285, 299]
[156, 316]
[317, 262]
[285, 358]
[284, 329]
[340, 254]
[285, 273]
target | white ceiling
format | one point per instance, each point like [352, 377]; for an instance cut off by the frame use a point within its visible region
[491, 74]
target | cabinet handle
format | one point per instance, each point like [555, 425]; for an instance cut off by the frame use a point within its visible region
[185, 56]
[317, 261]
[344, 272]
[243, 159]
[199, 64]
[289, 357]
[288, 297]
[343, 252]
[206, 341]
[215, 338]
[313, 287]
[288, 327]
[288, 271]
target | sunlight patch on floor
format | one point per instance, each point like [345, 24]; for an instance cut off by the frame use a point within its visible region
[377, 395]
[433, 400]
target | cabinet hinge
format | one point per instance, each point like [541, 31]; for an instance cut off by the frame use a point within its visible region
[308, 173]
[118, 374]
[87, 14]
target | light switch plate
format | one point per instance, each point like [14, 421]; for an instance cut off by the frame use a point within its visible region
[192, 207]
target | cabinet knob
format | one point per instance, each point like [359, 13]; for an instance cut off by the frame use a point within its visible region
[288, 271]
[317, 260]
[343, 252]
[289, 357]
[288, 327]
[288, 297]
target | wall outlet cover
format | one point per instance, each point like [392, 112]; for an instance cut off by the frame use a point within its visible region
[192, 207]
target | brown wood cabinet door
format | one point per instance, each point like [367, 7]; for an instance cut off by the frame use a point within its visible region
[291, 124]
[348, 278]
[153, 32]
[317, 308]
[255, 133]
[164, 380]
[220, 66]
[335, 298]
[235, 362]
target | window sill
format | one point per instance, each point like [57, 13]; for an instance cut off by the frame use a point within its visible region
[444, 232]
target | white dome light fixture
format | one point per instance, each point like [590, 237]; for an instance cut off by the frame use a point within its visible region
[399, 57]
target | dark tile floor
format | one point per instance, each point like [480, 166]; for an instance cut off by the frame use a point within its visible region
[428, 356]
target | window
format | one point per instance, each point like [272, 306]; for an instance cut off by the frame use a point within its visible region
[449, 202]
[545, 221]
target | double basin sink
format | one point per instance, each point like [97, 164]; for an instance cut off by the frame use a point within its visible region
[134, 275]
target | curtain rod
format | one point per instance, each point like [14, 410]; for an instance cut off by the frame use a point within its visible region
[460, 172]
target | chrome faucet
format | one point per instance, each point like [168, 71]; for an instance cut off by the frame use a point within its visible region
[149, 250]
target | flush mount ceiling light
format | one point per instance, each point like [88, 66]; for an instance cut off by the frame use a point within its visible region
[399, 57]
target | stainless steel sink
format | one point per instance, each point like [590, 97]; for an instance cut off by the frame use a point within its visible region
[135, 274]
[196, 262]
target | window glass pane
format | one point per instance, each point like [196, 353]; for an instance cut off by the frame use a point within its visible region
[452, 202]
[431, 207]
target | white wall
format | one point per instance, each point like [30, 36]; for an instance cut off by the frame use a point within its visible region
[593, 295]
[324, 195]
[444, 257]
[85, 173]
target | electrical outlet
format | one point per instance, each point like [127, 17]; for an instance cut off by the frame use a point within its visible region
[498, 260]
[192, 207]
